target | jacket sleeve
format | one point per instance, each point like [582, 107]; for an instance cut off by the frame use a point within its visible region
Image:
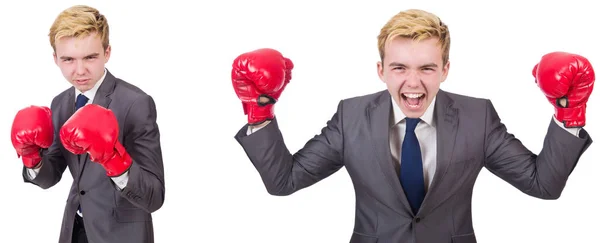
[284, 173]
[542, 175]
[146, 183]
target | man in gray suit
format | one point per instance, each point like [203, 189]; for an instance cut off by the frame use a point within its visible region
[413, 152]
[104, 130]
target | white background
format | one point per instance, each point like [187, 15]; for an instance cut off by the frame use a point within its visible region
[181, 55]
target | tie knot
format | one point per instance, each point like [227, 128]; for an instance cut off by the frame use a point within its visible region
[411, 123]
[81, 101]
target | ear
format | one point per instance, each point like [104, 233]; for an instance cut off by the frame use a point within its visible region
[107, 53]
[380, 71]
[445, 71]
[55, 58]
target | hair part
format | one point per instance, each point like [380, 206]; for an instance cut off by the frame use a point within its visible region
[79, 21]
[417, 25]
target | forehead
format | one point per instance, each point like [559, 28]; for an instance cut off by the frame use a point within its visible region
[79, 46]
[406, 50]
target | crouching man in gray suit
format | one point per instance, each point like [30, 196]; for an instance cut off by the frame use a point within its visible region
[104, 130]
[413, 152]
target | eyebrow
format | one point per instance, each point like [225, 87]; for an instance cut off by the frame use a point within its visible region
[88, 56]
[428, 65]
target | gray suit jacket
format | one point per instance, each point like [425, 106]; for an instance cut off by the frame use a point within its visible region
[110, 215]
[470, 136]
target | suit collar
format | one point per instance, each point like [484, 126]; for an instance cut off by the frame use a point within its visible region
[107, 87]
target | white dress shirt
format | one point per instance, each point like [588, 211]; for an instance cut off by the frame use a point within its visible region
[120, 181]
[426, 134]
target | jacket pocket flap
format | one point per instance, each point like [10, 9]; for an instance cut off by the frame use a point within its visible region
[362, 238]
[465, 238]
[131, 215]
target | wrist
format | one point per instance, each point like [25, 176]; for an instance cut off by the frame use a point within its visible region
[119, 163]
[259, 125]
[571, 116]
[32, 161]
[259, 114]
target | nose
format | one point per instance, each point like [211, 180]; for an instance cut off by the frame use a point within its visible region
[80, 69]
[413, 79]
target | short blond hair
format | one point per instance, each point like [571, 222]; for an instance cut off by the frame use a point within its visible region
[79, 21]
[417, 25]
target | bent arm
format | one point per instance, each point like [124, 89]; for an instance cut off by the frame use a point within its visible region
[284, 173]
[51, 169]
[145, 186]
[544, 175]
[53, 163]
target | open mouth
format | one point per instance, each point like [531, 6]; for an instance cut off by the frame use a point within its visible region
[413, 100]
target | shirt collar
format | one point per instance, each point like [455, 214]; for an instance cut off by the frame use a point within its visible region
[92, 92]
[427, 117]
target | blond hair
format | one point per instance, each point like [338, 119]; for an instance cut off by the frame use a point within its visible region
[417, 25]
[79, 21]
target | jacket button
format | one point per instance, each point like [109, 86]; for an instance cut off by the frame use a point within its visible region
[82, 192]
[418, 220]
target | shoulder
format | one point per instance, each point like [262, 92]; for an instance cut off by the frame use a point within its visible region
[130, 101]
[464, 101]
[357, 108]
[130, 95]
[471, 107]
[127, 89]
[365, 101]
[62, 96]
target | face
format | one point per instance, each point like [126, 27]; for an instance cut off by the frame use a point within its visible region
[81, 60]
[413, 72]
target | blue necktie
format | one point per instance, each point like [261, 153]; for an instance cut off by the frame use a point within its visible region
[411, 168]
[81, 101]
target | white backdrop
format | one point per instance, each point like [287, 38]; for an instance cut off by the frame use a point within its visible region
[181, 55]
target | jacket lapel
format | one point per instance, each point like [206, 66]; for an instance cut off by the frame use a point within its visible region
[67, 110]
[103, 99]
[446, 119]
[378, 116]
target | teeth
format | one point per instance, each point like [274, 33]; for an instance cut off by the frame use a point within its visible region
[414, 96]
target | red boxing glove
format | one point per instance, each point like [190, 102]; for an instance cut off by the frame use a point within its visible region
[260, 73]
[567, 76]
[94, 129]
[32, 131]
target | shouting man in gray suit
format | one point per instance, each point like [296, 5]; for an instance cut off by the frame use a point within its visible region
[413, 152]
[104, 130]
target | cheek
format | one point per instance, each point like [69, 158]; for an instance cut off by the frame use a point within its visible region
[394, 80]
[66, 68]
[96, 65]
[431, 83]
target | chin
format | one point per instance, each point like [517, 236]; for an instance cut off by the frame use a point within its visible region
[82, 88]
